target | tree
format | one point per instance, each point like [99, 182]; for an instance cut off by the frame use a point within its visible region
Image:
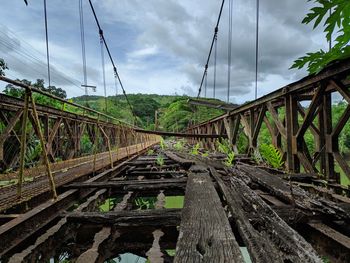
[144, 107]
[3, 67]
[339, 19]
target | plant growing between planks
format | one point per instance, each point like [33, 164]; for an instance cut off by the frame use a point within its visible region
[160, 160]
[271, 155]
[225, 148]
[162, 144]
[179, 145]
[195, 149]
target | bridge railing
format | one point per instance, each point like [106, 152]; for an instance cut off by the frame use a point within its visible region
[36, 139]
[289, 113]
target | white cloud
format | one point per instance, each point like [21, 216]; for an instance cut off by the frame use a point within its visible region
[161, 46]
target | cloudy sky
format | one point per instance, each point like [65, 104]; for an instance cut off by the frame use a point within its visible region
[159, 46]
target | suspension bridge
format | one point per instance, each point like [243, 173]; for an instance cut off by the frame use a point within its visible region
[74, 207]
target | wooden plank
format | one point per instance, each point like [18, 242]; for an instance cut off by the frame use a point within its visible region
[205, 233]
[267, 237]
[331, 233]
[292, 194]
[153, 217]
[127, 184]
[184, 162]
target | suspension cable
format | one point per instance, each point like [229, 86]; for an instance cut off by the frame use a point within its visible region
[103, 68]
[211, 48]
[112, 61]
[330, 39]
[215, 57]
[256, 49]
[229, 51]
[82, 37]
[47, 45]
[205, 84]
[116, 87]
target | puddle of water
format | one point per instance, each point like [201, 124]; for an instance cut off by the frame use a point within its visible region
[174, 201]
[144, 203]
[108, 204]
[245, 254]
[170, 252]
[127, 258]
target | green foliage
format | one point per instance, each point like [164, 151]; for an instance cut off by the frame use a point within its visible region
[229, 159]
[33, 152]
[144, 108]
[224, 147]
[179, 114]
[17, 92]
[145, 202]
[179, 145]
[195, 149]
[339, 19]
[3, 67]
[271, 155]
[206, 154]
[160, 160]
[86, 146]
[162, 144]
[150, 152]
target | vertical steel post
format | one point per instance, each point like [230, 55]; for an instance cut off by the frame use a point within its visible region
[23, 143]
[43, 146]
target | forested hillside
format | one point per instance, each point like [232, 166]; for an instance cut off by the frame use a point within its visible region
[173, 112]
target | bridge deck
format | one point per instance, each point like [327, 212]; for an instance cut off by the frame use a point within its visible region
[227, 214]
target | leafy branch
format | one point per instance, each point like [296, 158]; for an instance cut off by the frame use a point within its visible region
[338, 19]
[3, 67]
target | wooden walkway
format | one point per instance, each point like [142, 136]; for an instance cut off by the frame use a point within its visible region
[226, 212]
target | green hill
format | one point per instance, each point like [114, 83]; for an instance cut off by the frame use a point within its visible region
[173, 112]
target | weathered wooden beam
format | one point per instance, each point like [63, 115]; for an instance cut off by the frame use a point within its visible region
[205, 232]
[267, 237]
[128, 184]
[133, 218]
[294, 195]
[340, 87]
[311, 112]
[258, 124]
[276, 119]
[184, 162]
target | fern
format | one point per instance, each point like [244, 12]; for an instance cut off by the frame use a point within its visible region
[179, 145]
[224, 146]
[271, 155]
[206, 154]
[195, 149]
[160, 160]
[162, 144]
[150, 152]
[229, 159]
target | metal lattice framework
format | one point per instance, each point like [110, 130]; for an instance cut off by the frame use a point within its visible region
[288, 120]
[59, 136]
